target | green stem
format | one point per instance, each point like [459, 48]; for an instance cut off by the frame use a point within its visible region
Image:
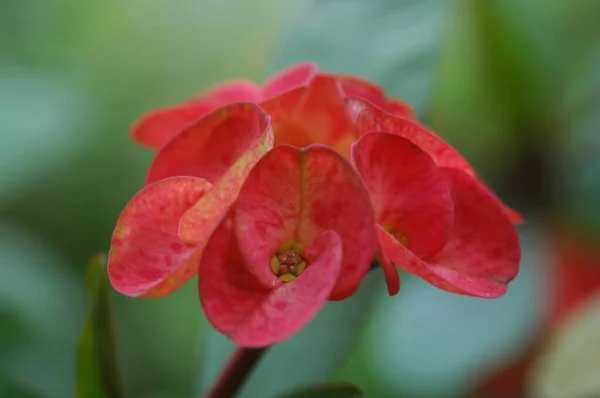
[236, 372]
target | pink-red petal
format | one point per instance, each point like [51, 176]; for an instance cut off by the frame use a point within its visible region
[199, 222]
[251, 314]
[210, 146]
[291, 78]
[292, 305]
[230, 92]
[269, 209]
[409, 192]
[295, 194]
[146, 256]
[484, 243]
[228, 292]
[310, 115]
[483, 253]
[354, 87]
[156, 128]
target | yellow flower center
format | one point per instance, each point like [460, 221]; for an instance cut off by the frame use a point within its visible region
[288, 262]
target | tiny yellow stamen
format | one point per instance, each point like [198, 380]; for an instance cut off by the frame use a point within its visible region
[287, 277]
[401, 238]
[392, 231]
[288, 263]
[388, 227]
[275, 265]
[300, 267]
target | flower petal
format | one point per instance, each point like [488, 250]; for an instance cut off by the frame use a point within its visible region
[295, 195]
[228, 292]
[484, 244]
[291, 78]
[354, 87]
[409, 192]
[268, 210]
[368, 118]
[230, 92]
[483, 253]
[211, 145]
[199, 222]
[156, 128]
[147, 257]
[315, 114]
[252, 315]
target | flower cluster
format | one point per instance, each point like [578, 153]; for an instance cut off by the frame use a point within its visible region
[280, 197]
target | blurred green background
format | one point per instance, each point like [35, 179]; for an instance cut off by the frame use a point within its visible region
[514, 85]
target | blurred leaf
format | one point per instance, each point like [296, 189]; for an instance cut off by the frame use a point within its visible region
[40, 313]
[169, 365]
[306, 358]
[394, 43]
[570, 365]
[97, 371]
[580, 163]
[17, 390]
[501, 84]
[327, 391]
[467, 111]
[521, 58]
[39, 117]
[502, 96]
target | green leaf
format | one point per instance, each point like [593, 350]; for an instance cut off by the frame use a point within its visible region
[18, 390]
[97, 374]
[500, 85]
[395, 43]
[570, 365]
[327, 391]
[308, 357]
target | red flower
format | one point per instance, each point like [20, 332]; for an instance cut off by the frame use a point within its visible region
[272, 264]
[435, 219]
[273, 232]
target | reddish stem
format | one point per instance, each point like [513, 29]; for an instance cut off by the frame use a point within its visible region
[234, 375]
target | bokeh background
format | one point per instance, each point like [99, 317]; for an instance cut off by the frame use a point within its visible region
[514, 85]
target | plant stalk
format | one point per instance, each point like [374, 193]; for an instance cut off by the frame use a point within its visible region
[235, 373]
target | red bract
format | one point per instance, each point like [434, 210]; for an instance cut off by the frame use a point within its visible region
[437, 223]
[147, 257]
[277, 259]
